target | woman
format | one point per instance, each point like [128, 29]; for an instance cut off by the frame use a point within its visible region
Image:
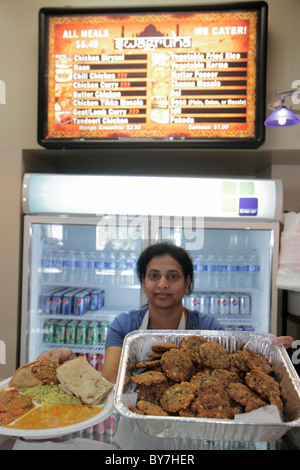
[166, 275]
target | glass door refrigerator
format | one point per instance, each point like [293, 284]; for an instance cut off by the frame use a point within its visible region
[83, 235]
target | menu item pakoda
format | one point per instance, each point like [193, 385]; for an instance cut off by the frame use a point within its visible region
[262, 383]
[220, 386]
[214, 355]
[177, 365]
[178, 397]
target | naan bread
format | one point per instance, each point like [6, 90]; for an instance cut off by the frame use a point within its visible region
[79, 378]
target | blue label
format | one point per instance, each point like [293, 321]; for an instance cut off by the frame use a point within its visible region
[248, 206]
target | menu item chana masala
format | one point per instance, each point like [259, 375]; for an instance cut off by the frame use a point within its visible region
[202, 379]
[18, 409]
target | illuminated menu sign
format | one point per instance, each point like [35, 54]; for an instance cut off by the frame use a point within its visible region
[152, 76]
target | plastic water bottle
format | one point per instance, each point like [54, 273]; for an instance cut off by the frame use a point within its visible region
[129, 275]
[110, 267]
[254, 269]
[79, 268]
[242, 271]
[201, 275]
[221, 271]
[99, 268]
[212, 272]
[58, 266]
[69, 268]
[46, 265]
[232, 271]
[90, 268]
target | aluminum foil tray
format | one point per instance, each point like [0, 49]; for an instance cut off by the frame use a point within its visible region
[137, 344]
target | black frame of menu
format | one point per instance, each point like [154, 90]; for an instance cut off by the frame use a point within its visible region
[165, 143]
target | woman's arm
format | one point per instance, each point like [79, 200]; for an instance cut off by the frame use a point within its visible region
[111, 363]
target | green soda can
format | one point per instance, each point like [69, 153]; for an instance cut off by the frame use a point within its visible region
[60, 331]
[103, 332]
[48, 331]
[70, 335]
[81, 332]
[93, 333]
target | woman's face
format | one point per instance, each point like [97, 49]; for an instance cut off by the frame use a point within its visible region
[164, 282]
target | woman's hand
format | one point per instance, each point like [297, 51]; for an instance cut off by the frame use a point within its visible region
[285, 341]
[59, 355]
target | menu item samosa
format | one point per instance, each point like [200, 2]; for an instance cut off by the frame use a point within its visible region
[39, 372]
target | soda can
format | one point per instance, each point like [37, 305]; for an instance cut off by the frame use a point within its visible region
[66, 306]
[93, 360]
[224, 304]
[245, 304]
[70, 334]
[46, 302]
[57, 301]
[92, 333]
[110, 425]
[103, 329]
[234, 304]
[79, 304]
[214, 303]
[87, 300]
[49, 331]
[193, 302]
[60, 332]
[94, 300]
[100, 362]
[204, 303]
[81, 332]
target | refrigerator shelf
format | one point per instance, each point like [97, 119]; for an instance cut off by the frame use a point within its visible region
[91, 315]
[76, 348]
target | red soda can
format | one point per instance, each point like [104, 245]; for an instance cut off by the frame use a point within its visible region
[110, 425]
[93, 360]
[100, 362]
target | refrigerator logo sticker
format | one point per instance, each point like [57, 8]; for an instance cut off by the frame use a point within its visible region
[2, 352]
[248, 206]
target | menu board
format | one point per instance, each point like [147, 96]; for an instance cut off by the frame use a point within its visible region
[151, 76]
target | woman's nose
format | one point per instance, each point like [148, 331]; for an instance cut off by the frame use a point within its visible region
[163, 282]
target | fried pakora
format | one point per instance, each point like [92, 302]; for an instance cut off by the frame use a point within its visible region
[178, 397]
[214, 355]
[177, 365]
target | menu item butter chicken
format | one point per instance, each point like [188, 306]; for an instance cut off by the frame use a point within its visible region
[75, 389]
[200, 378]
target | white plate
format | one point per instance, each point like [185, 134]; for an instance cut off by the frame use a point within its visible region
[61, 431]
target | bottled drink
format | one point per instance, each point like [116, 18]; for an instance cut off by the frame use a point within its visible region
[201, 273]
[121, 268]
[254, 271]
[110, 265]
[79, 268]
[99, 267]
[90, 268]
[242, 271]
[46, 265]
[221, 271]
[69, 268]
[129, 274]
[58, 262]
[232, 271]
[212, 272]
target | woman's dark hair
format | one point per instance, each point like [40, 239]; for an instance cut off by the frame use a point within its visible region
[162, 249]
